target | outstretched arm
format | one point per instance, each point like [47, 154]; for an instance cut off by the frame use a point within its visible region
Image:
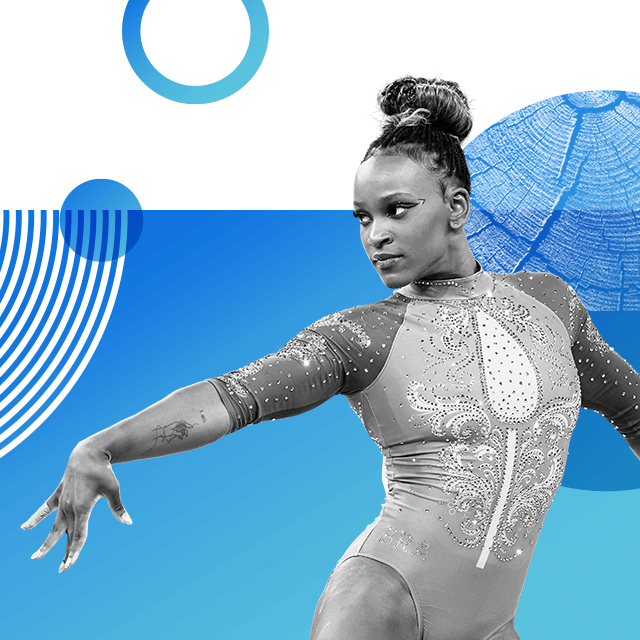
[187, 419]
[609, 384]
[337, 354]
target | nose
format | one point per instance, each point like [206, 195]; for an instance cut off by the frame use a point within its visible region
[379, 233]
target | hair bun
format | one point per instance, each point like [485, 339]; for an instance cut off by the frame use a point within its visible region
[441, 104]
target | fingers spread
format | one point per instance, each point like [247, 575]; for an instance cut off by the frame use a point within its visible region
[76, 537]
[48, 507]
[40, 514]
[59, 527]
[77, 530]
[112, 494]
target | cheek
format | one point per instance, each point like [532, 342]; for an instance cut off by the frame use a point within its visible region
[363, 237]
[420, 250]
[427, 238]
[417, 244]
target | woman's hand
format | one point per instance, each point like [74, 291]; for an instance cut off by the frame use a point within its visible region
[87, 478]
[188, 418]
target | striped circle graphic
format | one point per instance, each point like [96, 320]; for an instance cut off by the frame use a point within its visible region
[54, 308]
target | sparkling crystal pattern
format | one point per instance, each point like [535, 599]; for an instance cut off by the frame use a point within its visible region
[471, 389]
[478, 367]
[502, 344]
[305, 348]
[595, 339]
[236, 380]
[338, 320]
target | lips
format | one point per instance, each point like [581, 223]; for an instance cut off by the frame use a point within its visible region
[384, 260]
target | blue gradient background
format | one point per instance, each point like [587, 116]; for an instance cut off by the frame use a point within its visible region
[236, 540]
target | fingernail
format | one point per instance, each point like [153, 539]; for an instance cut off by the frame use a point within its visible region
[126, 518]
[24, 525]
[61, 569]
[37, 555]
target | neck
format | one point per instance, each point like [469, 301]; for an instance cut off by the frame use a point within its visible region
[478, 283]
[459, 263]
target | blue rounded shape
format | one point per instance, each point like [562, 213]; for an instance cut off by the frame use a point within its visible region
[101, 220]
[555, 188]
[195, 94]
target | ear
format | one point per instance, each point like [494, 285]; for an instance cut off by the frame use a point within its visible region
[459, 203]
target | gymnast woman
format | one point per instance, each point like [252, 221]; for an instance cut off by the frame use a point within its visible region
[470, 383]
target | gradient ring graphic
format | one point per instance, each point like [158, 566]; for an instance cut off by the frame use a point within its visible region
[195, 94]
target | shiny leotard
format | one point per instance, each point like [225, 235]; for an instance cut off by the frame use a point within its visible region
[471, 389]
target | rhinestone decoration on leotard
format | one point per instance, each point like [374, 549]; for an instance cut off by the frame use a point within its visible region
[473, 491]
[458, 418]
[338, 320]
[467, 490]
[537, 475]
[516, 320]
[454, 330]
[341, 353]
[235, 380]
[609, 384]
[475, 474]
[509, 375]
[595, 339]
[574, 308]
[306, 347]
[494, 498]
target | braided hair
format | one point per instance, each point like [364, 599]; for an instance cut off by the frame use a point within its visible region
[426, 120]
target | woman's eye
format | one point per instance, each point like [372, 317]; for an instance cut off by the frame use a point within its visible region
[399, 208]
[363, 217]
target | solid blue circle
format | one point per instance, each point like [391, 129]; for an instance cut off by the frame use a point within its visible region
[195, 94]
[101, 220]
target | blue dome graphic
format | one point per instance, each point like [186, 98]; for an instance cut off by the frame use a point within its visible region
[556, 188]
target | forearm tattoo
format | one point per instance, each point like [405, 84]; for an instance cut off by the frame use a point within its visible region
[178, 430]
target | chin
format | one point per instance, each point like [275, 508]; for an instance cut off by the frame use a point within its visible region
[394, 280]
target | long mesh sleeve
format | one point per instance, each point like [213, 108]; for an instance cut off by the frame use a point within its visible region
[302, 375]
[609, 384]
[341, 353]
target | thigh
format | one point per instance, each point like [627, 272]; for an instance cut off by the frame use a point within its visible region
[365, 600]
[505, 632]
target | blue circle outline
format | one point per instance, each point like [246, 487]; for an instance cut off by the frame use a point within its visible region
[195, 94]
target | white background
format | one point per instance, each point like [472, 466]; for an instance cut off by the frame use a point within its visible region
[73, 109]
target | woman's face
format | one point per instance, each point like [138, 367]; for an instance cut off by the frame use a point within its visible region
[407, 227]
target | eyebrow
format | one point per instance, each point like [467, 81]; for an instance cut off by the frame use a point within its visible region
[389, 196]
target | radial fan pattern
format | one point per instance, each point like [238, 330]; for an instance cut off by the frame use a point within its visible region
[54, 307]
[556, 188]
